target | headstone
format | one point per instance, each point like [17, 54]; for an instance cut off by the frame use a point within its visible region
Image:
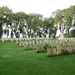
[38, 48]
[49, 51]
[59, 50]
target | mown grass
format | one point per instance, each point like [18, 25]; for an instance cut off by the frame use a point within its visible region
[14, 60]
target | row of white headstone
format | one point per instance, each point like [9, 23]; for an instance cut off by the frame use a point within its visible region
[54, 47]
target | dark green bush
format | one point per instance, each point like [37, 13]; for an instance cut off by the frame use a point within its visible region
[72, 33]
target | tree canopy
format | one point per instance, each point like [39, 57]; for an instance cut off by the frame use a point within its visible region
[34, 21]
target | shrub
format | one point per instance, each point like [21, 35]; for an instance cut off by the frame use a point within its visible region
[65, 52]
[72, 33]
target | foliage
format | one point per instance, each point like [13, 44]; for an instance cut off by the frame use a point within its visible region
[58, 17]
[35, 21]
[4, 17]
[72, 33]
[65, 15]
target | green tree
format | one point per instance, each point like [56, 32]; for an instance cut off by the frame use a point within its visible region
[20, 19]
[33, 22]
[4, 17]
[48, 24]
[69, 16]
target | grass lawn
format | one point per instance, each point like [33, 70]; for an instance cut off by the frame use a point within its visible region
[14, 60]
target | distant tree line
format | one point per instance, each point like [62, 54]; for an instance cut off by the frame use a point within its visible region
[35, 24]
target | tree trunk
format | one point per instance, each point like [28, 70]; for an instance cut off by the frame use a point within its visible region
[68, 32]
[62, 32]
[1, 31]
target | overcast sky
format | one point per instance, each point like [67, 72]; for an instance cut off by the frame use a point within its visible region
[44, 7]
